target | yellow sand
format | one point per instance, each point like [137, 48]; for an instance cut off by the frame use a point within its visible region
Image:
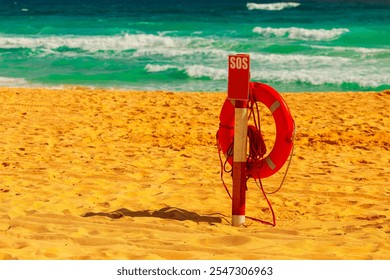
[101, 174]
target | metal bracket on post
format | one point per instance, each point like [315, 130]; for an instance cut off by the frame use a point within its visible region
[238, 94]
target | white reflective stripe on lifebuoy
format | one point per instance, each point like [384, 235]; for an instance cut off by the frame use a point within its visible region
[270, 163]
[274, 106]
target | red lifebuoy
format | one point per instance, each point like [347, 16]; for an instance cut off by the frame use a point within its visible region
[284, 131]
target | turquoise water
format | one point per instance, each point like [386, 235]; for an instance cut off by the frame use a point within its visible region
[183, 45]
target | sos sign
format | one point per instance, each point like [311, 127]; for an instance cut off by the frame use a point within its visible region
[238, 76]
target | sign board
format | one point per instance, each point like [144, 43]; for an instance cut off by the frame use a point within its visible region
[238, 76]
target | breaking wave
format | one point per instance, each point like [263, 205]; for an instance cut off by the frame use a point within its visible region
[13, 82]
[296, 33]
[192, 71]
[272, 6]
[94, 43]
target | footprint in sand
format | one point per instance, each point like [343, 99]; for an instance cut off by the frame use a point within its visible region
[5, 222]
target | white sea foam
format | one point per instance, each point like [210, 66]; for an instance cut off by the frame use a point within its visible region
[296, 33]
[138, 44]
[13, 82]
[92, 43]
[272, 6]
[322, 76]
[199, 71]
[193, 71]
[358, 50]
[168, 52]
[297, 60]
[318, 69]
[153, 68]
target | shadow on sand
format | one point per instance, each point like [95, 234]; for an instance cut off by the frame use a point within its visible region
[167, 212]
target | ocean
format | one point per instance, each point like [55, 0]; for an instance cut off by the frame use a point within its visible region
[319, 45]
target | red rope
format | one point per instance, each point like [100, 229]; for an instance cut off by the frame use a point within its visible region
[270, 207]
[223, 164]
[257, 150]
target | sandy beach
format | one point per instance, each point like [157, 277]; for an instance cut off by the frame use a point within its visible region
[114, 174]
